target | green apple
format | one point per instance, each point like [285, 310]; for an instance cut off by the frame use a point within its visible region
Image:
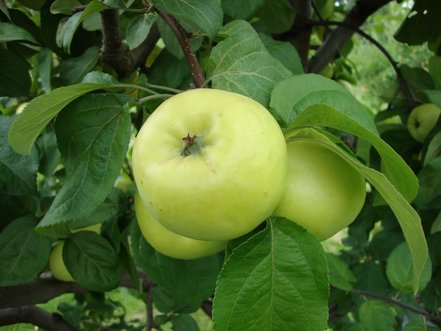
[169, 243]
[56, 264]
[210, 164]
[422, 120]
[324, 192]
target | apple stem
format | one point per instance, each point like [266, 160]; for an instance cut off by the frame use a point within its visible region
[189, 143]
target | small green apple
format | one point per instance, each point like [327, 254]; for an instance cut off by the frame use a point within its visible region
[56, 264]
[422, 120]
[324, 193]
[169, 243]
[210, 164]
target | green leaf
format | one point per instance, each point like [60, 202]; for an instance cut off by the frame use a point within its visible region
[23, 252]
[64, 6]
[11, 32]
[184, 322]
[97, 77]
[285, 52]
[312, 100]
[241, 64]
[40, 111]
[376, 316]
[435, 70]
[340, 275]
[73, 70]
[92, 261]
[138, 29]
[276, 280]
[44, 65]
[399, 270]
[71, 25]
[407, 217]
[278, 15]
[185, 283]
[18, 173]
[241, 9]
[429, 179]
[48, 153]
[93, 136]
[15, 80]
[205, 14]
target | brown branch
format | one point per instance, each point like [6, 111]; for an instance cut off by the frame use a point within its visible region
[150, 315]
[401, 80]
[207, 307]
[397, 303]
[300, 34]
[180, 33]
[339, 36]
[35, 316]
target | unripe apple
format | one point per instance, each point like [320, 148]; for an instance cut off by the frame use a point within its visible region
[169, 243]
[422, 120]
[56, 264]
[324, 192]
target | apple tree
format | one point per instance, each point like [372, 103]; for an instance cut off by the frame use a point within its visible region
[344, 190]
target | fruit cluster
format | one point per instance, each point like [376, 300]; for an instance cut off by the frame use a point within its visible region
[211, 165]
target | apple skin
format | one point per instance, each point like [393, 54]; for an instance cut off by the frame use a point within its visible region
[422, 120]
[56, 264]
[234, 175]
[169, 243]
[324, 193]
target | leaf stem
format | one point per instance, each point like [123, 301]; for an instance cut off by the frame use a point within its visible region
[153, 97]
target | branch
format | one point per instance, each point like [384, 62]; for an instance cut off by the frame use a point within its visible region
[35, 316]
[190, 56]
[401, 80]
[300, 34]
[398, 303]
[339, 36]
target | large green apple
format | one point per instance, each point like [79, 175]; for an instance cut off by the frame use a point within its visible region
[56, 264]
[422, 120]
[210, 164]
[324, 192]
[169, 243]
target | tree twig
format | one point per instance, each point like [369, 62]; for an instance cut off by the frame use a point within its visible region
[402, 81]
[300, 34]
[339, 36]
[36, 316]
[397, 303]
[180, 33]
[150, 316]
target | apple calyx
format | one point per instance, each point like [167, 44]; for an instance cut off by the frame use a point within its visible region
[191, 145]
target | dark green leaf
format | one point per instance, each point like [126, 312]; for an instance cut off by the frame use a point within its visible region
[64, 6]
[376, 316]
[48, 153]
[73, 70]
[399, 270]
[11, 32]
[241, 9]
[184, 322]
[23, 252]
[15, 80]
[41, 110]
[92, 261]
[44, 60]
[371, 277]
[97, 77]
[340, 275]
[205, 14]
[429, 179]
[241, 64]
[18, 173]
[185, 283]
[278, 15]
[276, 280]
[138, 29]
[93, 136]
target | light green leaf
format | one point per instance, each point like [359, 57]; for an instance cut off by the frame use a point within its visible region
[399, 270]
[40, 111]
[376, 316]
[205, 14]
[138, 29]
[241, 64]
[11, 32]
[23, 252]
[92, 261]
[72, 24]
[407, 217]
[276, 280]
[93, 134]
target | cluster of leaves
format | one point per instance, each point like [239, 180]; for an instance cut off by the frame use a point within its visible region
[65, 164]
